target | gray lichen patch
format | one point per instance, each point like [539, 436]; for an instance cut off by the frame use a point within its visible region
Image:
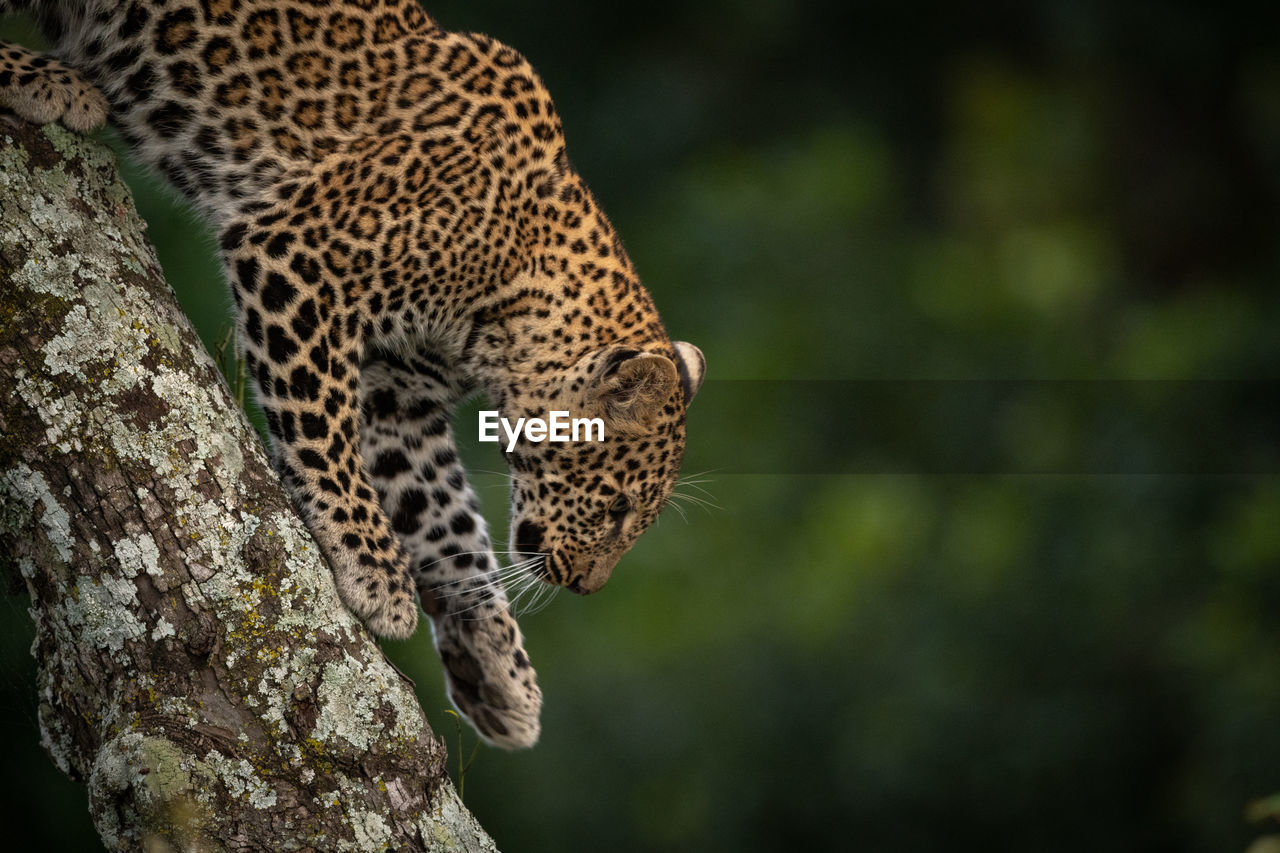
[55, 739]
[371, 831]
[102, 611]
[360, 712]
[300, 603]
[138, 554]
[115, 771]
[38, 198]
[100, 404]
[346, 707]
[452, 828]
[238, 778]
[239, 594]
[24, 489]
[67, 353]
[163, 629]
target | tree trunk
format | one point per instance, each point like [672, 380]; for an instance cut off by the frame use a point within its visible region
[196, 667]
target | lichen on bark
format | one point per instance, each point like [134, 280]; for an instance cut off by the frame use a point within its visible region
[196, 667]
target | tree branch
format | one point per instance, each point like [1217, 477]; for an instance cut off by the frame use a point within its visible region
[196, 667]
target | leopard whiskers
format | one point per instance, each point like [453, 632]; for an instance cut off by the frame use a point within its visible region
[685, 498]
[528, 584]
[506, 475]
[496, 576]
[501, 587]
[689, 492]
[675, 505]
[539, 593]
[694, 484]
[470, 582]
[507, 478]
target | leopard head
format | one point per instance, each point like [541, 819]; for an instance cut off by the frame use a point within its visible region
[580, 505]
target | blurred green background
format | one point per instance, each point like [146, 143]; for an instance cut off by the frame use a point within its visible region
[1039, 621]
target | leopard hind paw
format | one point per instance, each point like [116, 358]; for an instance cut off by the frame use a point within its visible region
[489, 678]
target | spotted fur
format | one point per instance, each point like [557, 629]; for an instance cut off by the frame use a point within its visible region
[401, 227]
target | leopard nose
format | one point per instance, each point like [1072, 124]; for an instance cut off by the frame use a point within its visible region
[529, 537]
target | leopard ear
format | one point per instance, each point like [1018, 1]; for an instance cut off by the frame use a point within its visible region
[631, 389]
[692, 367]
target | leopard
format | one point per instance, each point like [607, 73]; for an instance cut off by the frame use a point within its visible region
[401, 230]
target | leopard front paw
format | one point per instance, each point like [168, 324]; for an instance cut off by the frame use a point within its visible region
[489, 678]
[378, 591]
[42, 90]
[396, 618]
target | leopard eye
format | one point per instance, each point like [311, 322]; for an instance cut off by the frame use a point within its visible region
[620, 506]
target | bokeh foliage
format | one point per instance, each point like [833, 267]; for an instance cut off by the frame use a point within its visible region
[963, 617]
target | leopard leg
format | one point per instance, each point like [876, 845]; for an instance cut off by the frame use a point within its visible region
[41, 89]
[409, 452]
[306, 368]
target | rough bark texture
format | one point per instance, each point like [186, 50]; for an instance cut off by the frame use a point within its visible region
[196, 667]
